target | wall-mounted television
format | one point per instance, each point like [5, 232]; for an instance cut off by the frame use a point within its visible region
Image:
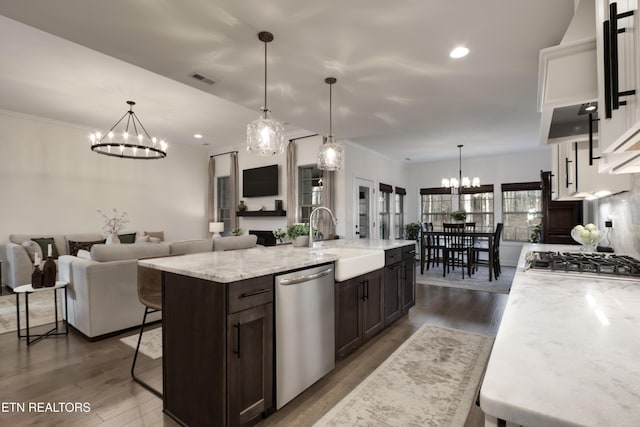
[258, 182]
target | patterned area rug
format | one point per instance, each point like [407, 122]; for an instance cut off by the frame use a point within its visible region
[479, 281]
[151, 344]
[41, 310]
[430, 380]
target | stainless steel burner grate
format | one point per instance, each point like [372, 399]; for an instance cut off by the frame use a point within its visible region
[598, 263]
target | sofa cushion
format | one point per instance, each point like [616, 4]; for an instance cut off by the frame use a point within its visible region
[230, 243]
[191, 246]
[74, 246]
[32, 249]
[127, 238]
[105, 253]
[44, 243]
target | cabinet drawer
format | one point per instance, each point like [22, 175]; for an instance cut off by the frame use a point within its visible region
[408, 251]
[250, 293]
[392, 256]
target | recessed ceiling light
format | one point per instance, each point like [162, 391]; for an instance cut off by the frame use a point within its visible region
[197, 136]
[459, 52]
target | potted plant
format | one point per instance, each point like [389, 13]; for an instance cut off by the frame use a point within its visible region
[299, 234]
[279, 234]
[237, 232]
[411, 231]
[459, 215]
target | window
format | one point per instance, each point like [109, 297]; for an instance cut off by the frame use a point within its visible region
[521, 210]
[224, 202]
[478, 203]
[435, 205]
[384, 210]
[309, 190]
[399, 212]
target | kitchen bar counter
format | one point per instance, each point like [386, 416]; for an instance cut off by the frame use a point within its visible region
[231, 266]
[567, 350]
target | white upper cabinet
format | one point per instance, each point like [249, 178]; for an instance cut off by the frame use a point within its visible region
[618, 68]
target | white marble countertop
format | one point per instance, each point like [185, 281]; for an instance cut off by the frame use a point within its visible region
[567, 350]
[231, 266]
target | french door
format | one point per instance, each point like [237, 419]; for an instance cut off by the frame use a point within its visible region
[364, 209]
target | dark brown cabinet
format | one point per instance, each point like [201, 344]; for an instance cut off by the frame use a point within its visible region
[392, 292]
[217, 350]
[408, 282]
[359, 310]
[399, 282]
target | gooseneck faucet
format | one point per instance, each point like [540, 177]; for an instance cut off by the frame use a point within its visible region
[319, 208]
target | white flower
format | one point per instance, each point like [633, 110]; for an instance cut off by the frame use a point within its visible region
[115, 223]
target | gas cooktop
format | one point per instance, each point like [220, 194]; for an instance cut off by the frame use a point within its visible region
[585, 262]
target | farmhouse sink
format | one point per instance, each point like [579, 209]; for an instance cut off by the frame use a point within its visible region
[354, 262]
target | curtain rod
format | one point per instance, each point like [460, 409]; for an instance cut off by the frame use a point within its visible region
[302, 137]
[222, 154]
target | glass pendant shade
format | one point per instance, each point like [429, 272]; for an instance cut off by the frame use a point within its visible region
[265, 136]
[331, 155]
[120, 143]
[460, 181]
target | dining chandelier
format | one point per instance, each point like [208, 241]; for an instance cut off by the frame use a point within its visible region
[331, 154]
[135, 145]
[461, 181]
[265, 136]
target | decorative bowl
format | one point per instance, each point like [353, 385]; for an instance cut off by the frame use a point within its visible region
[588, 236]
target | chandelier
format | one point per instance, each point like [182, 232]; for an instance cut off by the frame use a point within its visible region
[461, 181]
[136, 145]
[265, 136]
[331, 154]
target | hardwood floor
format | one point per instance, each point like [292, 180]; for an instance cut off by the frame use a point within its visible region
[73, 370]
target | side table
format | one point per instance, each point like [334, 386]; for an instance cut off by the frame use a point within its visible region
[27, 290]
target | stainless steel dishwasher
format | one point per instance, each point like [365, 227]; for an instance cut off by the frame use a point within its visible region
[305, 330]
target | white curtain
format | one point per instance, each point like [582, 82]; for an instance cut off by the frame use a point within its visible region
[233, 187]
[292, 183]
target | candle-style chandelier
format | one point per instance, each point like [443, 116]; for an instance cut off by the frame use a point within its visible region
[455, 183]
[137, 144]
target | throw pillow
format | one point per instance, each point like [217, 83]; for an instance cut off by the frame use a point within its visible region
[44, 243]
[74, 247]
[84, 254]
[157, 234]
[127, 238]
[143, 239]
[32, 249]
[154, 240]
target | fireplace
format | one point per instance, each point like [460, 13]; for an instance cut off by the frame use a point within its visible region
[265, 238]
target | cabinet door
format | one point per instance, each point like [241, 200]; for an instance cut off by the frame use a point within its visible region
[392, 292]
[348, 295]
[249, 364]
[373, 311]
[408, 284]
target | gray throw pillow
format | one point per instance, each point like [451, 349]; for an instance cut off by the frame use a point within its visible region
[32, 249]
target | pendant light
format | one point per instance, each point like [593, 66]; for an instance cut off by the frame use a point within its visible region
[135, 145]
[265, 136]
[455, 183]
[331, 155]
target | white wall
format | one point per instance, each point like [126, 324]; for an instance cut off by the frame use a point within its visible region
[496, 170]
[51, 182]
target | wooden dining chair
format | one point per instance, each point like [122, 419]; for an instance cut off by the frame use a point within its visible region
[456, 251]
[477, 250]
[432, 247]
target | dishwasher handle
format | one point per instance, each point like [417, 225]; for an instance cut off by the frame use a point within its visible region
[305, 278]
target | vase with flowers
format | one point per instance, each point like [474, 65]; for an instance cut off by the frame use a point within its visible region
[113, 224]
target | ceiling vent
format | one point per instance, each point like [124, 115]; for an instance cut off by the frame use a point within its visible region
[202, 78]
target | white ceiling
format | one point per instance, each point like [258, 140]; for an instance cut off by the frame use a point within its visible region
[397, 93]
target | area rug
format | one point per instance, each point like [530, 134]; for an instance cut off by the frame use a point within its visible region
[151, 344]
[479, 281]
[431, 380]
[41, 310]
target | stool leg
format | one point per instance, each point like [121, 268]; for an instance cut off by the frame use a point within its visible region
[135, 357]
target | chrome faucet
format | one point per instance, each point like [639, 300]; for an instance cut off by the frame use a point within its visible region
[333, 219]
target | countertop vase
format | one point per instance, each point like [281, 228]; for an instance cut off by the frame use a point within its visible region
[112, 239]
[300, 241]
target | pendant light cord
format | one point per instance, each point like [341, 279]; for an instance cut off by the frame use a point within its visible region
[330, 110]
[265, 77]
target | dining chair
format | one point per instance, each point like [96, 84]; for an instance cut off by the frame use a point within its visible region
[432, 247]
[457, 249]
[477, 250]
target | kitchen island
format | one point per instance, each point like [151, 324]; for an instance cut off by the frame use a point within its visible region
[566, 353]
[218, 322]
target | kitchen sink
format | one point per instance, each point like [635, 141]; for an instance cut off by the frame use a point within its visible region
[353, 262]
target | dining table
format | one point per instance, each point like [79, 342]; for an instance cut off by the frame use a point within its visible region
[477, 237]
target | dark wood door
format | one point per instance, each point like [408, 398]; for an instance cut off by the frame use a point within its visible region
[392, 293]
[348, 296]
[408, 284]
[249, 364]
[373, 302]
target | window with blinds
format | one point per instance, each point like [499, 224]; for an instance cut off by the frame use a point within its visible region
[521, 210]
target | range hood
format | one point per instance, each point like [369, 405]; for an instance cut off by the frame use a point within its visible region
[567, 78]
